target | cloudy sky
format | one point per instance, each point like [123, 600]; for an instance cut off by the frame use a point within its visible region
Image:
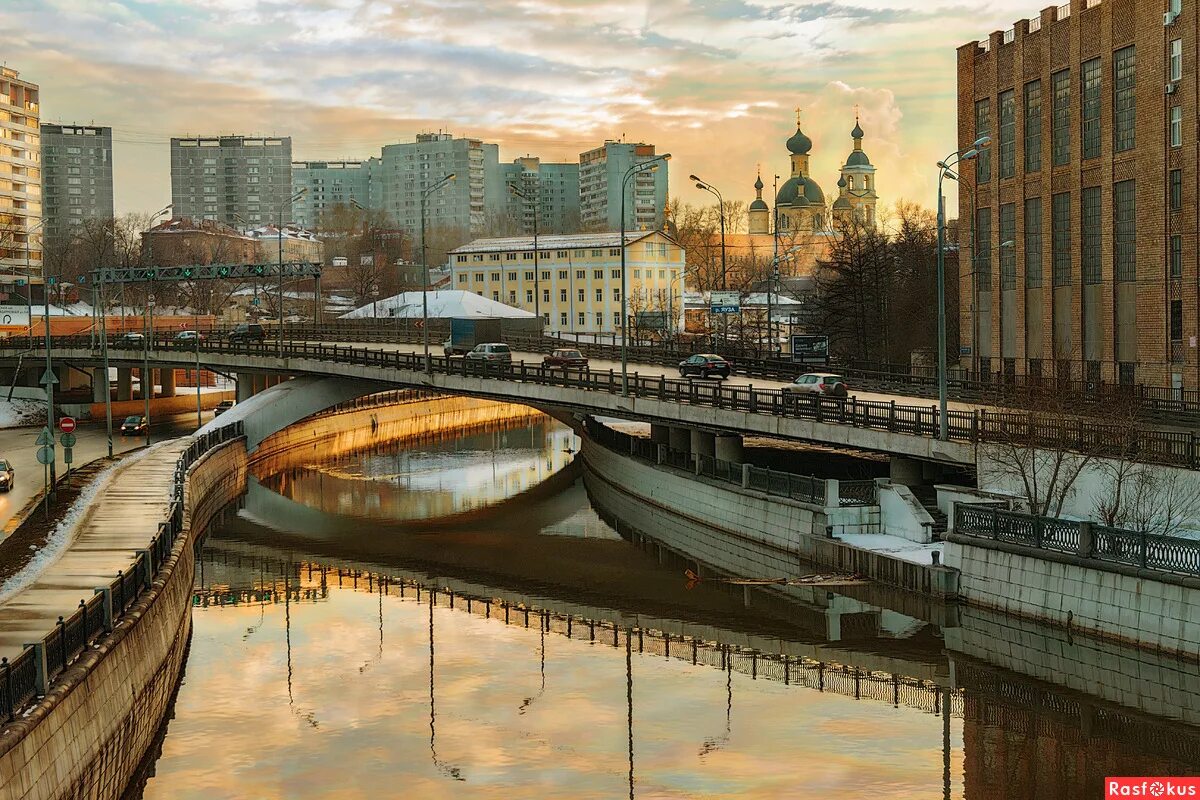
[714, 82]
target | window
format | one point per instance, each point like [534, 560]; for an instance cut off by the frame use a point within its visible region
[462, 278]
[496, 296]
[1091, 108]
[637, 273]
[582, 319]
[1126, 373]
[1060, 133]
[1177, 256]
[1033, 126]
[495, 276]
[1033, 242]
[983, 127]
[546, 295]
[1008, 246]
[1089, 257]
[581, 297]
[1176, 323]
[983, 251]
[599, 295]
[598, 274]
[1176, 126]
[1176, 190]
[479, 277]
[461, 259]
[616, 273]
[562, 318]
[616, 295]
[614, 251]
[529, 295]
[563, 274]
[545, 272]
[1008, 134]
[580, 274]
[597, 253]
[494, 257]
[617, 318]
[1124, 103]
[1176, 64]
[599, 319]
[529, 275]
[1060, 237]
[512, 296]
[510, 256]
[562, 295]
[527, 256]
[1125, 230]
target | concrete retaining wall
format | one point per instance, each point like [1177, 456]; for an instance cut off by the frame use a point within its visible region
[1162, 612]
[901, 514]
[87, 737]
[179, 404]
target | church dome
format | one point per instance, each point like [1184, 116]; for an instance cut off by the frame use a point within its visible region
[857, 133]
[800, 192]
[842, 204]
[799, 144]
[858, 159]
[759, 205]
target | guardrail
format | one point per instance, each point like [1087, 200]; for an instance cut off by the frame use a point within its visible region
[1179, 448]
[1084, 539]
[30, 674]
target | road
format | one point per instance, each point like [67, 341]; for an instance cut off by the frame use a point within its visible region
[18, 446]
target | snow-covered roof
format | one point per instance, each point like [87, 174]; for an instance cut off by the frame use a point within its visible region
[289, 232]
[566, 241]
[700, 299]
[443, 304]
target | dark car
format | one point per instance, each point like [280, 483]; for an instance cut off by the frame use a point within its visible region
[705, 365]
[129, 340]
[133, 426]
[7, 475]
[565, 358]
[222, 407]
[247, 333]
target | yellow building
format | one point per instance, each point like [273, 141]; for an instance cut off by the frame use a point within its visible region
[575, 282]
[20, 175]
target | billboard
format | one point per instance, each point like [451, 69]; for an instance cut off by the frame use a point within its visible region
[724, 302]
[14, 314]
[810, 348]
[651, 320]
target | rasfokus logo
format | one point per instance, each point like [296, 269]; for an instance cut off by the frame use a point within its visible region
[1151, 787]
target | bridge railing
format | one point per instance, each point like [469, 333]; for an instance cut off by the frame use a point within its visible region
[1179, 448]
[1084, 539]
[31, 673]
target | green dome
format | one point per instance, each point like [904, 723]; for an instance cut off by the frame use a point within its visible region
[799, 144]
[759, 205]
[841, 204]
[858, 159]
[800, 192]
[857, 133]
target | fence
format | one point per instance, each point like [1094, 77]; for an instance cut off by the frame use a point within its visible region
[803, 488]
[30, 674]
[1085, 539]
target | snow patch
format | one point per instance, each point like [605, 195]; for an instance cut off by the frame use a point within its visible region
[21, 412]
[895, 546]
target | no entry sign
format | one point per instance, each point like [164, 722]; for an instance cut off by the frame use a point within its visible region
[66, 424]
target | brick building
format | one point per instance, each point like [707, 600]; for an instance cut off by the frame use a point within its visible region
[1085, 205]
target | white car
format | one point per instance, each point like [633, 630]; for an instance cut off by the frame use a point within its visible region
[818, 383]
[492, 352]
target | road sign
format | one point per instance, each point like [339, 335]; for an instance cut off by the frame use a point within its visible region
[12, 314]
[67, 455]
[724, 302]
[45, 455]
[48, 377]
[66, 424]
[254, 302]
[183, 326]
[67, 440]
[45, 438]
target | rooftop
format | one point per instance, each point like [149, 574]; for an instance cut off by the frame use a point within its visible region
[566, 241]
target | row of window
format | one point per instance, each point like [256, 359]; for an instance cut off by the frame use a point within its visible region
[580, 274]
[660, 250]
[562, 295]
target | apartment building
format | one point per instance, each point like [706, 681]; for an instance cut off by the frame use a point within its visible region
[77, 179]
[574, 281]
[601, 172]
[240, 181]
[327, 184]
[551, 191]
[20, 174]
[1082, 216]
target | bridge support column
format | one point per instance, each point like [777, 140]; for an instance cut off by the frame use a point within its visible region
[905, 471]
[99, 384]
[257, 383]
[680, 439]
[166, 379]
[703, 443]
[245, 387]
[124, 383]
[833, 625]
[729, 448]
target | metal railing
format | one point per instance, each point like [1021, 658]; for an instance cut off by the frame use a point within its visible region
[30, 674]
[1084, 539]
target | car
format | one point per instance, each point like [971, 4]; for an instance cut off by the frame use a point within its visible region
[222, 407]
[133, 426]
[130, 339]
[818, 383]
[705, 365]
[188, 339]
[565, 358]
[247, 333]
[7, 475]
[491, 352]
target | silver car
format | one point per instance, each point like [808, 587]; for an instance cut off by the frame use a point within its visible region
[492, 352]
[818, 383]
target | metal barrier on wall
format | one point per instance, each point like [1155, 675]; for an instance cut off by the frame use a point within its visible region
[30, 674]
[1084, 539]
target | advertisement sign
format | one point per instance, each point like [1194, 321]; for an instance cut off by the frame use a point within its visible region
[652, 320]
[724, 302]
[11, 314]
[810, 349]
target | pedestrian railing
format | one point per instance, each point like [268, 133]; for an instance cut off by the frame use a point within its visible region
[30, 674]
[1081, 538]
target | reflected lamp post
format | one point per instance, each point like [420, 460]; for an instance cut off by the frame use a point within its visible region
[279, 233]
[425, 193]
[649, 165]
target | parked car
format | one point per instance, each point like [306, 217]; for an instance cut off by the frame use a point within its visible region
[247, 333]
[818, 383]
[705, 365]
[491, 352]
[129, 340]
[222, 407]
[133, 426]
[187, 339]
[7, 475]
[565, 358]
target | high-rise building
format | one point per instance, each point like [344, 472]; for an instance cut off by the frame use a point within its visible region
[1082, 215]
[403, 171]
[20, 174]
[328, 184]
[601, 172]
[240, 181]
[77, 179]
[551, 188]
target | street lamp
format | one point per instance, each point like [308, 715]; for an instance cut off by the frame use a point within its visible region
[279, 231]
[649, 165]
[445, 179]
[945, 166]
[524, 194]
[708, 187]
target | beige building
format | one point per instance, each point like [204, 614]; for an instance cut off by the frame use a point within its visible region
[575, 282]
[296, 243]
[20, 174]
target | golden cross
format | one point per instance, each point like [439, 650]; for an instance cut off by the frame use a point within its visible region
[797, 116]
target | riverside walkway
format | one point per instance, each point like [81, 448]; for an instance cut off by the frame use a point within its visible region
[114, 518]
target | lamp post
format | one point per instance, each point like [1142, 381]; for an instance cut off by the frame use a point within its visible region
[445, 179]
[708, 187]
[536, 199]
[649, 165]
[945, 166]
[279, 232]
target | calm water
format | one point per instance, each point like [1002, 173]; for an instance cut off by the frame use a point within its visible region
[322, 664]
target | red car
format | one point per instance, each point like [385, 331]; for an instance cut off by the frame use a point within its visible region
[565, 359]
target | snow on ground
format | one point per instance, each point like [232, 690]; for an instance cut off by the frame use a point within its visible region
[17, 413]
[894, 546]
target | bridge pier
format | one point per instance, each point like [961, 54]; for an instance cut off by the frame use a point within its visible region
[124, 383]
[905, 471]
[660, 434]
[729, 448]
[244, 388]
[703, 443]
[681, 439]
[100, 388]
[166, 380]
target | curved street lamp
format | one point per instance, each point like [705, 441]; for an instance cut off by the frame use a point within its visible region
[708, 187]
[279, 231]
[649, 165]
[445, 179]
[528, 195]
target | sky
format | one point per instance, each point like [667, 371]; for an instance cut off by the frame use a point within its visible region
[713, 82]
